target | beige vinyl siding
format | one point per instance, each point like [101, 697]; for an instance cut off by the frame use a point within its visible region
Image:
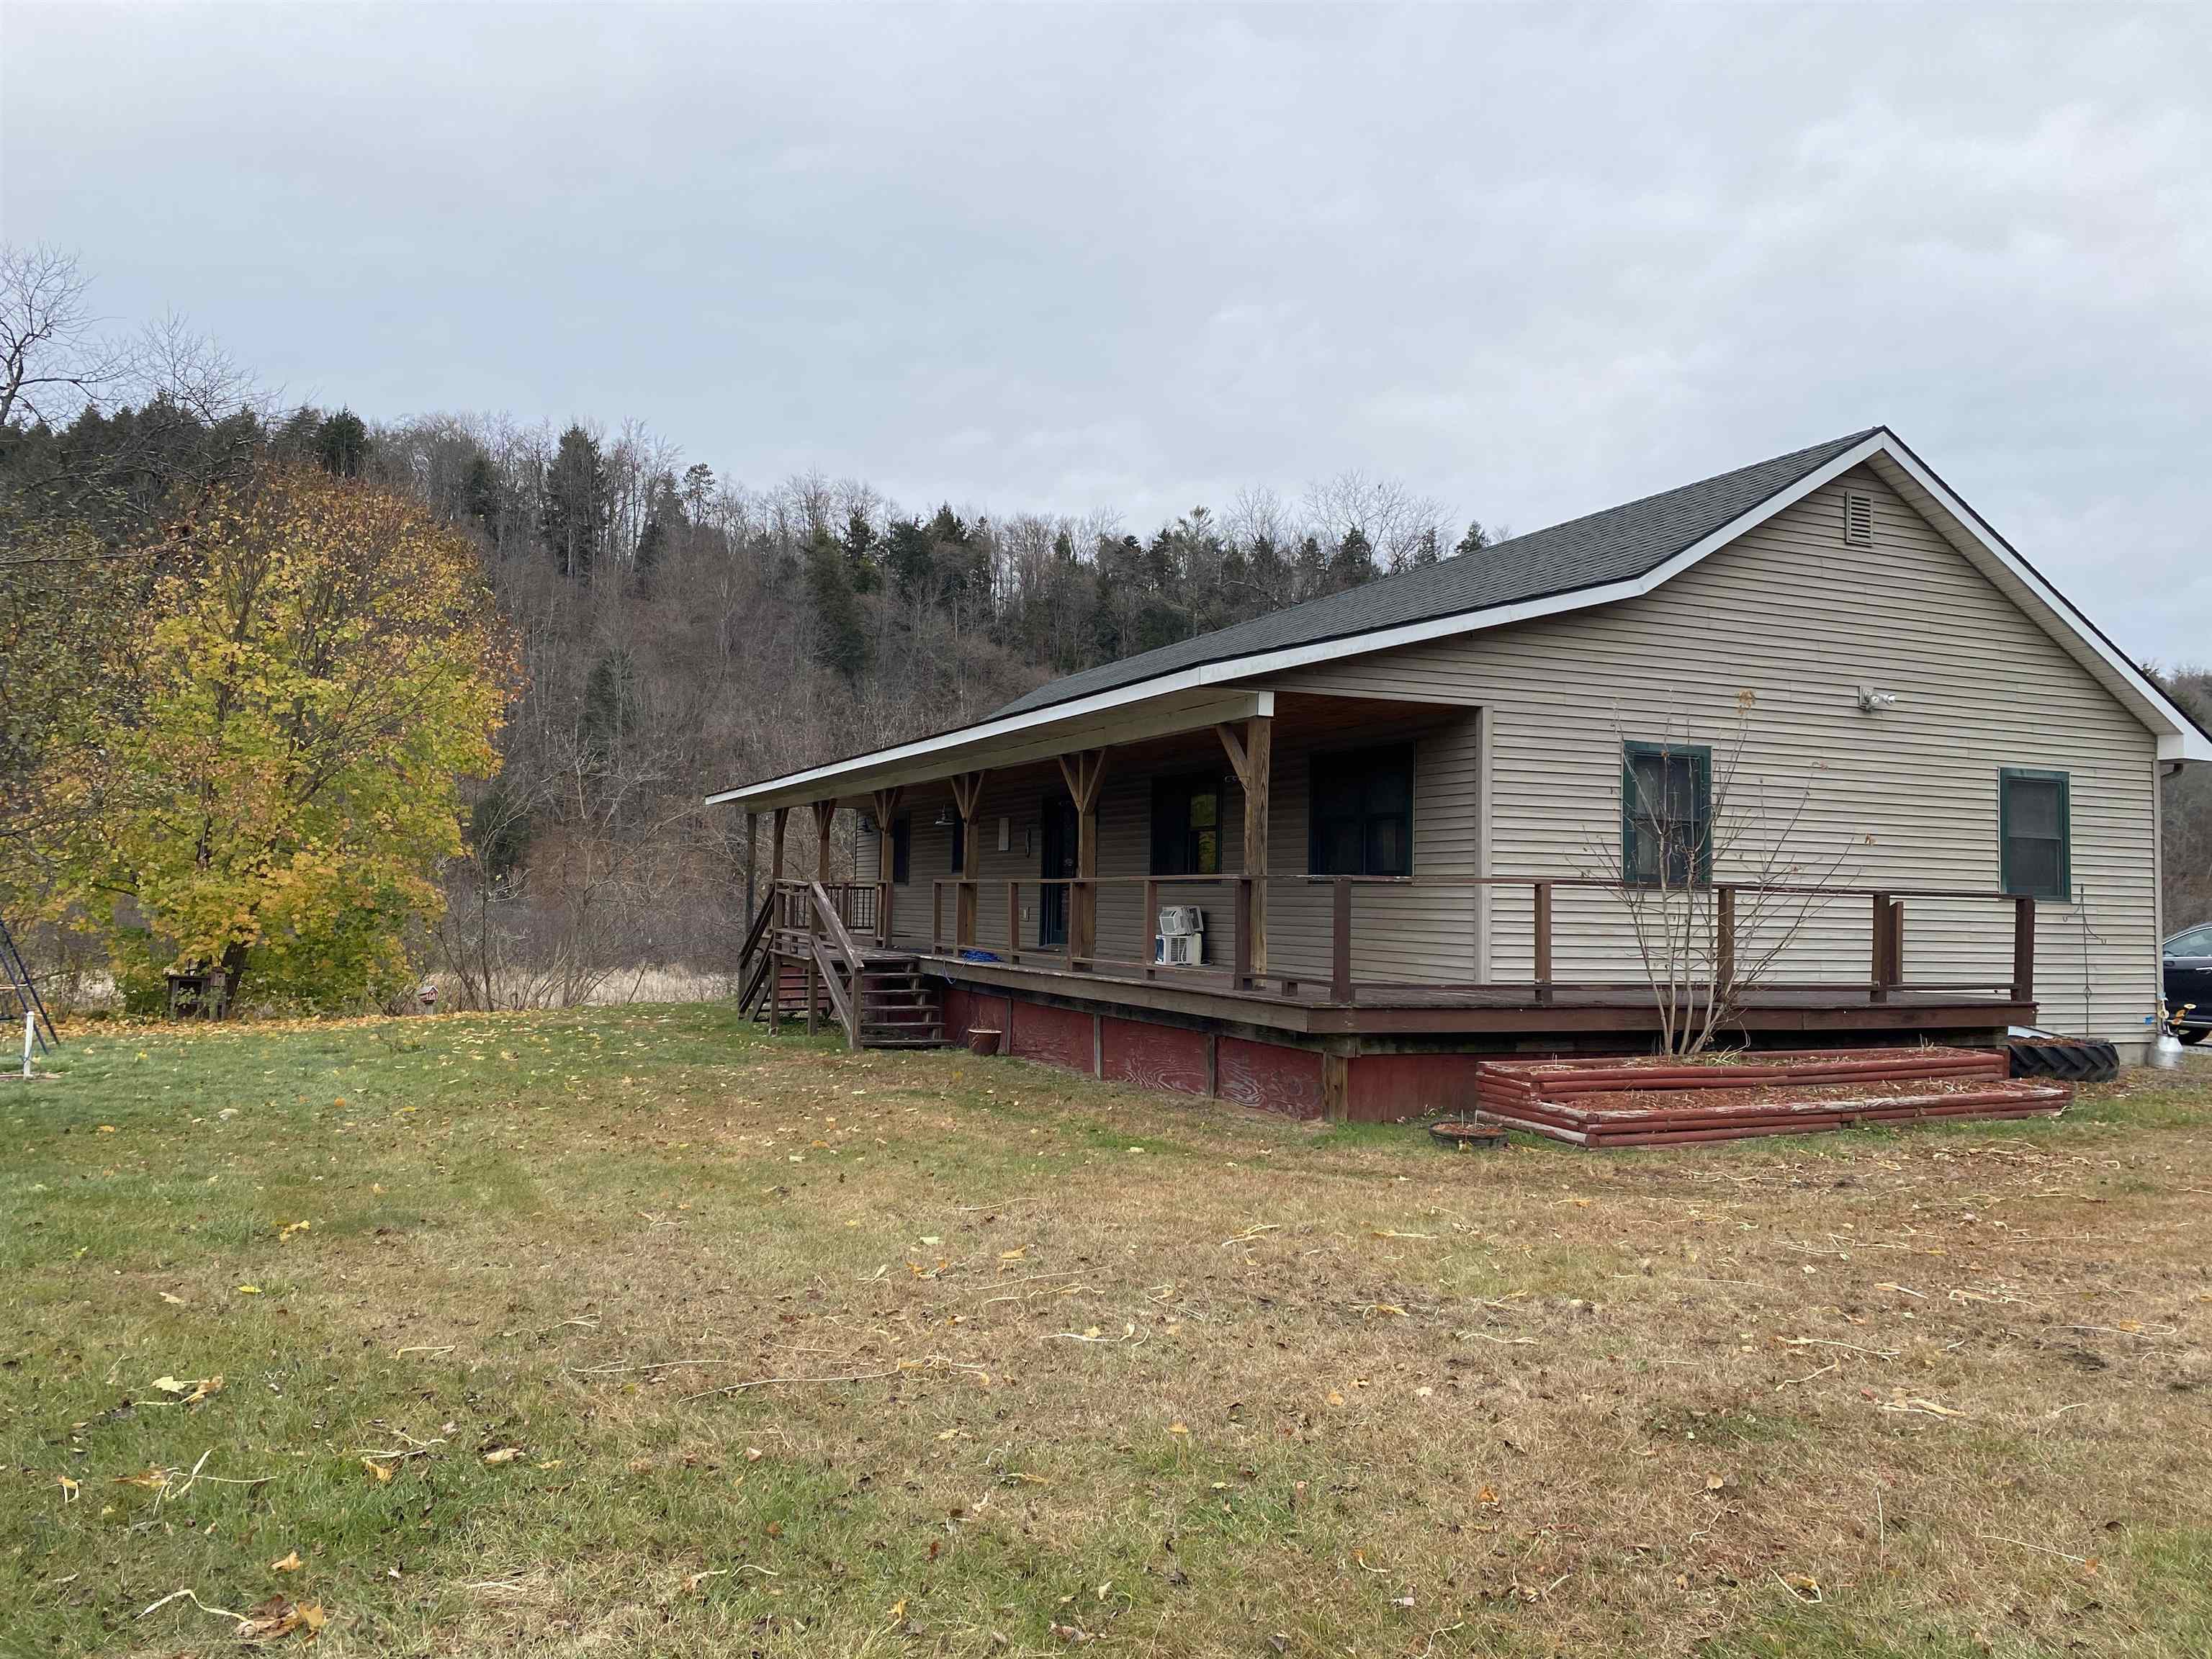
[1397, 933]
[1792, 616]
[1124, 850]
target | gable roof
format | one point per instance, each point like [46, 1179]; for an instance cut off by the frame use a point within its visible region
[1619, 545]
[1621, 553]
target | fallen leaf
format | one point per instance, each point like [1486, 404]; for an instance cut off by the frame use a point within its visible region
[1178, 1428]
[502, 1454]
[249, 1290]
[69, 1489]
[381, 1471]
[289, 1564]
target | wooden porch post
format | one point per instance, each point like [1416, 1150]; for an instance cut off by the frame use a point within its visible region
[776, 845]
[967, 796]
[1083, 773]
[887, 805]
[823, 812]
[1252, 757]
[752, 831]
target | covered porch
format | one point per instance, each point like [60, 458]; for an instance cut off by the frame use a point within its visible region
[1034, 866]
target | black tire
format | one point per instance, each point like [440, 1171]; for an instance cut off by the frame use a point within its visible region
[2064, 1059]
[2195, 1035]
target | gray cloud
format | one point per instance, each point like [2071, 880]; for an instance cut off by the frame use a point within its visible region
[1533, 262]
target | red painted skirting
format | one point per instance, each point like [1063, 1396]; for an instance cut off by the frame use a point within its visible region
[1165, 1058]
[1384, 1088]
[1271, 1077]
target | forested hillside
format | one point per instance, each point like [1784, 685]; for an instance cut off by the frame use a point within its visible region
[676, 630]
[670, 630]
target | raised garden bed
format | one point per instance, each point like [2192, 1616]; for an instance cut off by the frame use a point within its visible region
[1661, 1101]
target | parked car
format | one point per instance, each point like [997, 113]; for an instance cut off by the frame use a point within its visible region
[2188, 957]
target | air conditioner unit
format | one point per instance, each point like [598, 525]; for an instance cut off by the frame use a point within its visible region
[1180, 918]
[1179, 950]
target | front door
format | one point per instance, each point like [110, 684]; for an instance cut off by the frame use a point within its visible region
[1057, 863]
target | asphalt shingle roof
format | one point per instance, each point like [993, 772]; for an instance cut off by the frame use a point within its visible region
[1619, 545]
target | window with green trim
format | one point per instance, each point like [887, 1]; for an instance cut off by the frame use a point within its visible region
[1666, 814]
[2035, 838]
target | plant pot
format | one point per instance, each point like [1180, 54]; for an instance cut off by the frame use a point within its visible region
[982, 1040]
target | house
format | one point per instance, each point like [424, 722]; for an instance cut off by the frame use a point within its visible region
[1422, 821]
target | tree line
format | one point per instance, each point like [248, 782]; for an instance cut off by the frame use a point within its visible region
[664, 631]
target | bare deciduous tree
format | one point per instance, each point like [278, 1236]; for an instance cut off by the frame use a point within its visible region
[1715, 872]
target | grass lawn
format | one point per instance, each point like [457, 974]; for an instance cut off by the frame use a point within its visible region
[634, 1332]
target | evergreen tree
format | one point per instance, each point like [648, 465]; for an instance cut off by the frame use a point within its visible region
[1475, 540]
[342, 444]
[575, 525]
[841, 642]
[1353, 562]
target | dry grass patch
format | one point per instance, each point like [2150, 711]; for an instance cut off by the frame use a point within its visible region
[670, 1338]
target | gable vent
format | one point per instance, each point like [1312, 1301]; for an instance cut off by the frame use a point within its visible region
[1858, 519]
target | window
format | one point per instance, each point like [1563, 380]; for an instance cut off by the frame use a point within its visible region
[1362, 815]
[2197, 942]
[1187, 826]
[901, 849]
[1666, 814]
[2035, 855]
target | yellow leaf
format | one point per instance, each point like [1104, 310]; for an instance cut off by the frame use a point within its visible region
[69, 1489]
[1335, 1398]
[1487, 1495]
[381, 1471]
[502, 1454]
[289, 1564]
[898, 1610]
[249, 1290]
[1177, 1428]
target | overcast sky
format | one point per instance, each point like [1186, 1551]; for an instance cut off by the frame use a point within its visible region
[1531, 262]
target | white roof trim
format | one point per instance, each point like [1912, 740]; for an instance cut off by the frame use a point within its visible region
[1017, 738]
[2178, 736]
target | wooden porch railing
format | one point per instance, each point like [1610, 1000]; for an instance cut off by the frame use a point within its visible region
[1884, 979]
[812, 924]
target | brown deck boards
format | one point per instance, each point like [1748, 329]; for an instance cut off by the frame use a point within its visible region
[1446, 1010]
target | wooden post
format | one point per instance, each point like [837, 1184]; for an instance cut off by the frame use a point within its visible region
[776, 845]
[813, 992]
[2023, 949]
[1242, 968]
[1896, 975]
[1083, 773]
[1340, 941]
[1723, 939]
[1152, 922]
[1014, 919]
[1882, 921]
[1252, 757]
[775, 979]
[967, 796]
[823, 812]
[1543, 942]
[752, 901]
[887, 806]
[1335, 1086]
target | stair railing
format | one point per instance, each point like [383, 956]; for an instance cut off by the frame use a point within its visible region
[846, 999]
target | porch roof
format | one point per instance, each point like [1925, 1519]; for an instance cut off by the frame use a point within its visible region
[1125, 715]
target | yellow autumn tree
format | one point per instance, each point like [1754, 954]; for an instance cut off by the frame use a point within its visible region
[317, 666]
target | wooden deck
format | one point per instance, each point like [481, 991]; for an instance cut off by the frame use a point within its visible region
[1306, 1008]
